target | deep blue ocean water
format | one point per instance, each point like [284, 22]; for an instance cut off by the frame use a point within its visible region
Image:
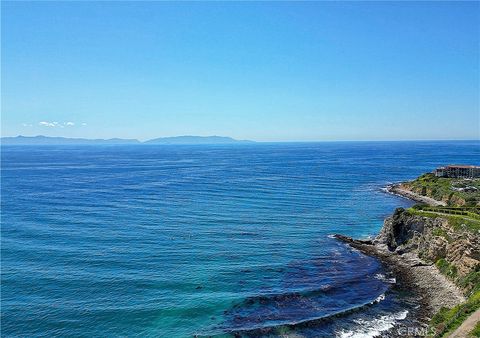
[176, 241]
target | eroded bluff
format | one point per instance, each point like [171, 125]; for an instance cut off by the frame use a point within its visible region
[455, 249]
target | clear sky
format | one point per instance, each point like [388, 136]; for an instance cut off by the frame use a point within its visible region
[267, 71]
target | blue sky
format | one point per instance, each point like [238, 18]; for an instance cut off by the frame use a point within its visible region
[268, 71]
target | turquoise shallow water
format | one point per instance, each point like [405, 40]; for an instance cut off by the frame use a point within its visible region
[173, 241]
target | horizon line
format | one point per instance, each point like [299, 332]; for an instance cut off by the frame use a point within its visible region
[144, 141]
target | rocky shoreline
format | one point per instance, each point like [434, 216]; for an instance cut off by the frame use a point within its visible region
[408, 249]
[398, 190]
[425, 283]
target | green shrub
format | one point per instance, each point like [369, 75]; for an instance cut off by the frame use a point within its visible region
[441, 233]
[446, 268]
[471, 282]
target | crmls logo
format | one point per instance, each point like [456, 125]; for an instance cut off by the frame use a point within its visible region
[408, 331]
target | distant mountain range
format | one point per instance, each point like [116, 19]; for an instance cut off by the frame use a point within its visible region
[46, 140]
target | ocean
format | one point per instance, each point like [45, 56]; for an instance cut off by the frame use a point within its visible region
[178, 241]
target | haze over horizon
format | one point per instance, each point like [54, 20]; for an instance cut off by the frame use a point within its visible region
[259, 71]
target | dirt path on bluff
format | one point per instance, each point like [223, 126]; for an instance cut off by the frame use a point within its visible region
[467, 326]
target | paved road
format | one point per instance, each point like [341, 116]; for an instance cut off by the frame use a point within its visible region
[467, 326]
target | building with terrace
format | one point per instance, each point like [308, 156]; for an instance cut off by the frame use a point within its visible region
[458, 171]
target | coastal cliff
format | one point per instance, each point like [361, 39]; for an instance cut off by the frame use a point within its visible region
[453, 248]
[434, 250]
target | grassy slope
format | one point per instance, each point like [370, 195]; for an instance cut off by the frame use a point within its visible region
[443, 189]
[456, 221]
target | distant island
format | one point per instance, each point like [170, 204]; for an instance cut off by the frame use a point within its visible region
[195, 140]
[46, 140]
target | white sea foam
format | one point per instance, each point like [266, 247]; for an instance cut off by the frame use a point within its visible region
[378, 299]
[383, 278]
[373, 327]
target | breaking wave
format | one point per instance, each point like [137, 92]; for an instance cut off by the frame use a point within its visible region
[373, 327]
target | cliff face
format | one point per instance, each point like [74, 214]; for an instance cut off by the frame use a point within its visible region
[455, 250]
